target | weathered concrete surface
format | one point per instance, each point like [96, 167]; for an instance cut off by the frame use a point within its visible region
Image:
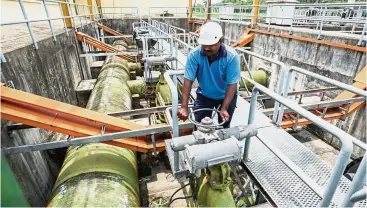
[34, 171]
[124, 26]
[95, 67]
[324, 151]
[52, 71]
[83, 91]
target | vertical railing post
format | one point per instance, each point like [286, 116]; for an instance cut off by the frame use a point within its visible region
[49, 21]
[322, 22]
[255, 12]
[363, 33]
[251, 118]
[71, 14]
[63, 20]
[28, 24]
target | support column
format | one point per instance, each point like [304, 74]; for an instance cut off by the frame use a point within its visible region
[66, 13]
[255, 12]
[208, 9]
[190, 8]
[90, 6]
[98, 2]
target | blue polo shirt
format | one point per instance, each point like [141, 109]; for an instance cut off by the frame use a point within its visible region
[213, 78]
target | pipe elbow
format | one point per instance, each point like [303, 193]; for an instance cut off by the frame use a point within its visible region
[346, 143]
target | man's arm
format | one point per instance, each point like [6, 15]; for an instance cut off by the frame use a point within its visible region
[231, 90]
[232, 78]
[190, 75]
[186, 93]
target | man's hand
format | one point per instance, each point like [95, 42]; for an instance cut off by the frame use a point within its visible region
[183, 113]
[225, 115]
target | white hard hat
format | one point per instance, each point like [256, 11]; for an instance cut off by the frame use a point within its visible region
[210, 33]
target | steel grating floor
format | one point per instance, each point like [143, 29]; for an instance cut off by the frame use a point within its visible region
[284, 187]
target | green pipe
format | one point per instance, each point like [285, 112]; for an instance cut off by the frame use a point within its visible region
[163, 89]
[137, 87]
[259, 76]
[97, 175]
[216, 186]
[11, 193]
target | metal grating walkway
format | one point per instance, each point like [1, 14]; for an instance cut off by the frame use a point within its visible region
[284, 187]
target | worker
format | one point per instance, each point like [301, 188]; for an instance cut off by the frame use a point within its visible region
[216, 66]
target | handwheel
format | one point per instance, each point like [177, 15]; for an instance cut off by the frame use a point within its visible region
[205, 125]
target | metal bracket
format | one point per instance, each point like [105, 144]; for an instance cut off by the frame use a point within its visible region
[296, 118]
[103, 129]
[10, 84]
[346, 110]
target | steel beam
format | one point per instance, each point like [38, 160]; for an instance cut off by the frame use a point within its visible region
[92, 139]
[33, 110]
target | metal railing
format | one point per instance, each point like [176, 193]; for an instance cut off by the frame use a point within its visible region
[181, 40]
[79, 14]
[341, 85]
[340, 17]
[282, 68]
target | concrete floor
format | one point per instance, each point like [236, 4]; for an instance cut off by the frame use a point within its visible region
[161, 185]
[324, 151]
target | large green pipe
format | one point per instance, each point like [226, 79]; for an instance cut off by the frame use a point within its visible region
[11, 193]
[215, 188]
[97, 175]
[259, 76]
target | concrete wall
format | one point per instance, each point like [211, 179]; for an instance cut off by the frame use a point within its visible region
[335, 63]
[177, 22]
[144, 5]
[125, 27]
[52, 71]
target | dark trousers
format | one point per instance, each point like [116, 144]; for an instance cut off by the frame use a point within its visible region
[204, 102]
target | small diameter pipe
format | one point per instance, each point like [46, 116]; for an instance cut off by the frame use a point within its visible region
[175, 129]
[344, 138]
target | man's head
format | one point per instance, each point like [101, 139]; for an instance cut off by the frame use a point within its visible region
[210, 38]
